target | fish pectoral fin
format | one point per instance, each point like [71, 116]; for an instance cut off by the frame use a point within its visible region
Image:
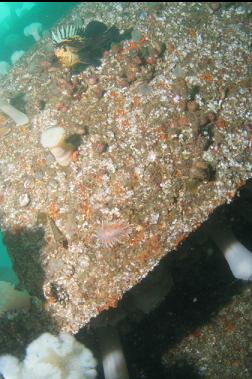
[94, 28]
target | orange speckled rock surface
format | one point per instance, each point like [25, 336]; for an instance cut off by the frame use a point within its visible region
[163, 138]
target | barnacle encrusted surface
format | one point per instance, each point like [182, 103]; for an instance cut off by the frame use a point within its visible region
[147, 155]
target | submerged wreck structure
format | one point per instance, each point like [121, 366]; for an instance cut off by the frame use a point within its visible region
[153, 139]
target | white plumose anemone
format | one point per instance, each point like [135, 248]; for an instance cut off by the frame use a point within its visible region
[4, 67]
[16, 56]
[33, 30]
[18, 117]
[239, 258]
[54, 357]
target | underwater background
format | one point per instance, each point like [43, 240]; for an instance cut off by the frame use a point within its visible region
[14, 17]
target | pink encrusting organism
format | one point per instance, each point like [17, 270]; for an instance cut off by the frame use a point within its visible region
[110, 234]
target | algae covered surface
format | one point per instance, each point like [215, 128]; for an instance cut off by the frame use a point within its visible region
[162, 136]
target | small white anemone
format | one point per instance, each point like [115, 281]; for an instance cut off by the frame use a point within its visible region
[239, 258]
[4, 67]
[113, 359]
[12, 299]
[16, 56]
[19, 117]
[54, 139]
[33, 30]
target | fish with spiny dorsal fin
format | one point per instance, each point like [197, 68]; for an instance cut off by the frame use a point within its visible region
[85, 46]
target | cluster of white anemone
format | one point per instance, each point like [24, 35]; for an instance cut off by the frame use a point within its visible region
[33, 30]
[54, 357]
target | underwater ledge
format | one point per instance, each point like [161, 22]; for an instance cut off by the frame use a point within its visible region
[160, 141]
